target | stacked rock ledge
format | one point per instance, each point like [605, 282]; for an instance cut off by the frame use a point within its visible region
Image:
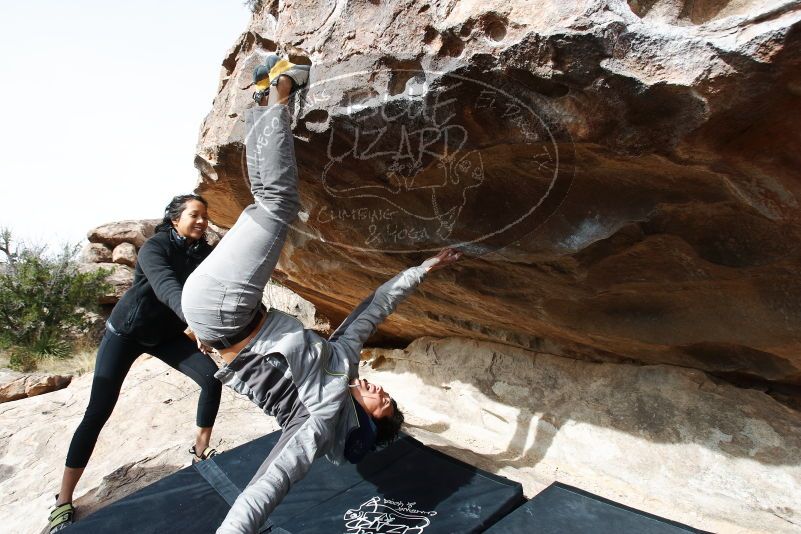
[114, 247]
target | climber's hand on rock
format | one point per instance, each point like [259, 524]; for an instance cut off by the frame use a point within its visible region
[443, 258]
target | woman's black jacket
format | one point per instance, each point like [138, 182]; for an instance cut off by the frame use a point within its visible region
[150, 311]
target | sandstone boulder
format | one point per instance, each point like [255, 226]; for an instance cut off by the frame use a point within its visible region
[120, 279]
[96, 253]
[112, 234]
[662, 439]
[622, 176]
[279, 297]
[214, 233]
[14, 386]
[125, 254]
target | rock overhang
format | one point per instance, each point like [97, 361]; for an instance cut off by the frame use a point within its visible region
[661, 141]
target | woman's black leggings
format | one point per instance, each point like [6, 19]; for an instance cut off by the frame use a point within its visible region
[114, 358]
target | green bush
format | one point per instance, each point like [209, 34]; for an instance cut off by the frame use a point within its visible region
[255, 6]
[44, 300]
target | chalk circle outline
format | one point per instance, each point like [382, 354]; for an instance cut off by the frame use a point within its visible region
[464, 245]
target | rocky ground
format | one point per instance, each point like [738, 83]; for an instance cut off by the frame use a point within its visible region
[146, 438]
[663, 439]
[666, 440]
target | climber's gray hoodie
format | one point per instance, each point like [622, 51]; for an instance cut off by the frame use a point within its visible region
[321, 371]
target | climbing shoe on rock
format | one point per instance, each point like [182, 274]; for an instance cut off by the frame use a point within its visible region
[274, 66]
[207, 453]
[61, 517]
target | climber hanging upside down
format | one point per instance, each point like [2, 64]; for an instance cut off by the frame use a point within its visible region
[308, 383]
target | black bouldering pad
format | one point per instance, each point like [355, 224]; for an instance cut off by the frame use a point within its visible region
[563, 509]
[406, 487]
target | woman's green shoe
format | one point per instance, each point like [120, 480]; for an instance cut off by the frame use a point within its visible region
[61, 517]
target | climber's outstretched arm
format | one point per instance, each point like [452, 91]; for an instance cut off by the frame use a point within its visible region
[365, 319]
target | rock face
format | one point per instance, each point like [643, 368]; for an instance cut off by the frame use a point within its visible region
[15, 386]
[114, 246]
[115, 233]
[666, 440]
[281, 298]
[124, 254]
[120, 279]
[622, 176]
[96, 253]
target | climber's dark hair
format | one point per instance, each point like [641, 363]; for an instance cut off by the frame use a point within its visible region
[175, 208]
[387, 428]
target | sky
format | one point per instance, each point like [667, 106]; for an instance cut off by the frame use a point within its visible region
[100, 107]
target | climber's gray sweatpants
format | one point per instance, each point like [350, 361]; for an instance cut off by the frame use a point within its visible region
[223, 294]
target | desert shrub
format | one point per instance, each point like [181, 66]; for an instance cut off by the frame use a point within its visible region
[44, 300]
[255, 6]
